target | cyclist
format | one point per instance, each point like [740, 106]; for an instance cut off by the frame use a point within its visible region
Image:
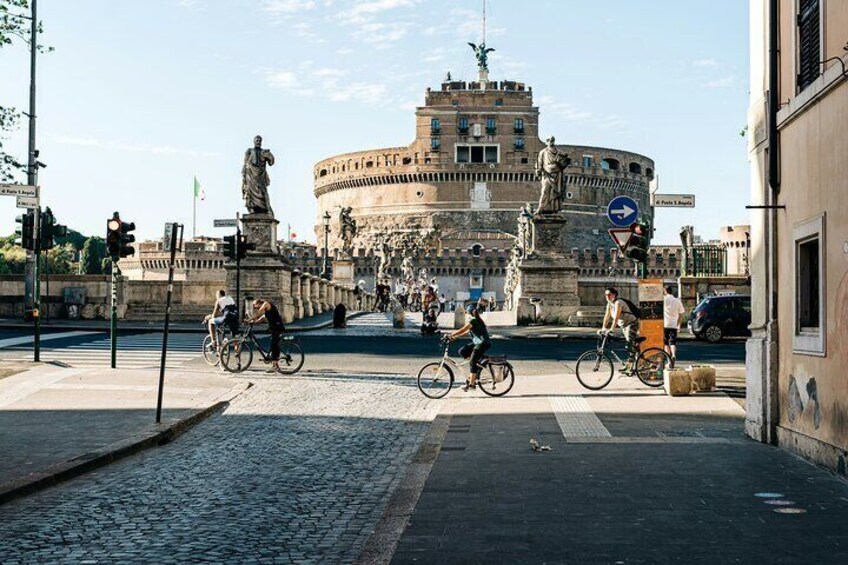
[224, 312]
[620, 314]
[265, 311]
[480, 344]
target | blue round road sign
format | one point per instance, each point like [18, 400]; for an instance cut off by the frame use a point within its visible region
[622, 211]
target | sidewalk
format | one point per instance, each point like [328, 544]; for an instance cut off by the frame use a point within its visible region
[56, 423]
[320, 321]
[633, 476]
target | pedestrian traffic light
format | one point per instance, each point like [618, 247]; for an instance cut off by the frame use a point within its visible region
[50, 230]
[244, 246]
[24, 233]
[230, 246]
[119, 238]
[637, 247]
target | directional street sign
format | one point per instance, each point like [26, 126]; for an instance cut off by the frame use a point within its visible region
[621, 237]
[226, 223]
[18, 190]
[673, 200]
[28, 202]
[622, 211]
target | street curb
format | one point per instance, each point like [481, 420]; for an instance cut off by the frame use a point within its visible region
[380, 546]
[152, 437]
[129, 328]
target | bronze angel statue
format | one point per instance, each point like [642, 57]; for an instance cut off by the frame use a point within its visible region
[482, 54]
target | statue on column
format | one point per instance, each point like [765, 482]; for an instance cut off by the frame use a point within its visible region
[481, 53]
[550, 165]
[347, 228]
[407, 269]
[384, 260]
[255, 179]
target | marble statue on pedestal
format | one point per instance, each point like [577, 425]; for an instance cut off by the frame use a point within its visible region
[255, 179]
[347, 229]
[550, 165]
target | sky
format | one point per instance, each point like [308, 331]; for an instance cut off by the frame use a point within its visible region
[139, 97]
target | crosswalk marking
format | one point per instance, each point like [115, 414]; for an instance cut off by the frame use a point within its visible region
[576, 418]
[28, 339]
[136, 351]
[374, 319]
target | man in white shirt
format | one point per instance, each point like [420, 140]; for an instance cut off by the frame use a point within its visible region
[672, 316]
[223, 306]
[618, 314]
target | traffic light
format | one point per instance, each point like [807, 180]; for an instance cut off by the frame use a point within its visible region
[230, 246]
[24, 233]
[50, 230]
[637, 247]
[119, 238]
[244, 246]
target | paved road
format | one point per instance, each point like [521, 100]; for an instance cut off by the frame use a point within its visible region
[296, 470]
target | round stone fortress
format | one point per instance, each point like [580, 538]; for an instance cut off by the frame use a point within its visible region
[460, 185]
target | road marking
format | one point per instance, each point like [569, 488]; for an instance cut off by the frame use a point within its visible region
[20, 386]
[576, 418]
[12, 341]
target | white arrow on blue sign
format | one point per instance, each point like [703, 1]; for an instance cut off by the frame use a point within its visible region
[622, 211]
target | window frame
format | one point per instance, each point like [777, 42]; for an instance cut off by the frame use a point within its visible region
[491, 126]
[483, 147]
[435, 144]
[797, 46]
[808, 342]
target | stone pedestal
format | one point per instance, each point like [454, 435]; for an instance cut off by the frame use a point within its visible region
[547, 276]
[343, 272]
[264, 274]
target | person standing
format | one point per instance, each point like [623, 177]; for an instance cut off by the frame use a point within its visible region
[442, 301]
[673, 312]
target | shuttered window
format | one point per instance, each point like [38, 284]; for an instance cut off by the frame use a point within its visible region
[809, 42]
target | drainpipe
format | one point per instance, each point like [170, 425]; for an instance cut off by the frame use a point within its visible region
[771, 198]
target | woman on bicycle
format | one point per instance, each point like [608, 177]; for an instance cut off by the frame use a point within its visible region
[480, 343]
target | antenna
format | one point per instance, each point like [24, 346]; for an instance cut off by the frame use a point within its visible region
[484, 22]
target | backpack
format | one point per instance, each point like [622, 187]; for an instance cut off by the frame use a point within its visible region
[635, 310]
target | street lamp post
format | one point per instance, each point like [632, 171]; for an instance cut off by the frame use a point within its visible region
[325, 267]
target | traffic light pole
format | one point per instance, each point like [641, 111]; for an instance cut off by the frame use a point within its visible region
[36, 293]
[238, 273]
[32, 180]
[113, 318]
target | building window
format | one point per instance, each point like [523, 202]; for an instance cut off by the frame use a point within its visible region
[809, 42]
[477, 154]
[435, 126]
[476, 250]
[454, 102]
[609, 164]
[435, 143]
[636, 168]
[499, 102]
[809, 334]
[519, 125]
[462, 126]
[519, 143]
[587, 161]
[491, 126]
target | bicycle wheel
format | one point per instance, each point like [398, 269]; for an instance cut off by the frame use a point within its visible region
[236, 355]
[651, 365]
[210, 354]
[435, 380]
[498, 380]
[291, 358]
[594, 370]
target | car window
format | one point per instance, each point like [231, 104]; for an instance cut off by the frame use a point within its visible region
[702, 305]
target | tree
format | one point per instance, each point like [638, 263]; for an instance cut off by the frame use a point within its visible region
[59, 259]
[93, 253]
[13, 26]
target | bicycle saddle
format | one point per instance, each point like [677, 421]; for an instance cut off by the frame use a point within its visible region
[640, 339]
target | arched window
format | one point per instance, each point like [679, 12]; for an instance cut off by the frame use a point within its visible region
[636, 168]
[323, 173]
[609, 164]
[476, 249]
[649, 172]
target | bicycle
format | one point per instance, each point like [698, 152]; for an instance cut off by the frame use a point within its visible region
[436, 379]
[237, 353]
[211, 354]
[595, 368]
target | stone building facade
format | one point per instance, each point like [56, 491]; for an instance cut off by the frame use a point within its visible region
[450, 199]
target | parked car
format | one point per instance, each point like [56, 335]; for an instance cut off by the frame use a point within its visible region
[720, 316]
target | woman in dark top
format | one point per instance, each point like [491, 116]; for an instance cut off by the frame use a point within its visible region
[266, 311]
[480, 343]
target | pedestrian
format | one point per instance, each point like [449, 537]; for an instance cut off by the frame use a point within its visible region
[673, 312]
[492, 303]
[442, 301]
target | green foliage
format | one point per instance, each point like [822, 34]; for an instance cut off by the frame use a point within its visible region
[59, 260]
[75, 238]
[12, 258]
[92, 256]
[106, 266]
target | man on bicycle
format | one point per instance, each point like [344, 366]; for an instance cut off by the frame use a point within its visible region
[224, 312]
[620, 314]
[265, 311]
[480, 344]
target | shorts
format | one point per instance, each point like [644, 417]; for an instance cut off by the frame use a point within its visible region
[219, 320]
[670, 336]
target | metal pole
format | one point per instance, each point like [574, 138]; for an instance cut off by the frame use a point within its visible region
[238, 273]
[36, 294]
[174, 229]
[113, 319]
[325, 265]
[32, 180]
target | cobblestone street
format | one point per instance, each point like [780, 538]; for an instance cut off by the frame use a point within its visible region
[297, 469]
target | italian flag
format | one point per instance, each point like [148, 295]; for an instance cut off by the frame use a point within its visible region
[198, 190]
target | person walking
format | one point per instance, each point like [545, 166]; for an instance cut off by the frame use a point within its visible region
[673, 312]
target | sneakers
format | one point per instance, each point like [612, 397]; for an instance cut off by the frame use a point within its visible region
[672, 363]
[468, 386]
